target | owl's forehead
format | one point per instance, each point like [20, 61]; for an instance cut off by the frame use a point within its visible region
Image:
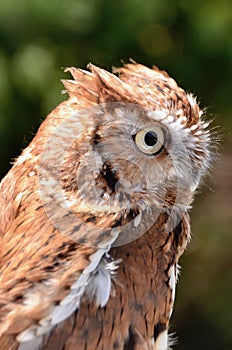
[133, 116]
[167, 98]
[156, 90]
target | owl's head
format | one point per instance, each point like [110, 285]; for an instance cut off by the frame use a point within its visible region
[124, 146]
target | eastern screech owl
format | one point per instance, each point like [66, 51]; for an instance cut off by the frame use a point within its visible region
[94, 214]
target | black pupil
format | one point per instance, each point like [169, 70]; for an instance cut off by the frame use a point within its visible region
[150, 138]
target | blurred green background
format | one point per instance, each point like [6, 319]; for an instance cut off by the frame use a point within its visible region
[192, 40]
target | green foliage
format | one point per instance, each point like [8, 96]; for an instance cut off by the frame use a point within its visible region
[189, 39]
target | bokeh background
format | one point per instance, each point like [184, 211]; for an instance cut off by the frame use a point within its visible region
[192, 40]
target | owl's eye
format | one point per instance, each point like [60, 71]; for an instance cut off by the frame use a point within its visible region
[150, 140]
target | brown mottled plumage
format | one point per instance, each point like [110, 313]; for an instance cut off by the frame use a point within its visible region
[94, 214]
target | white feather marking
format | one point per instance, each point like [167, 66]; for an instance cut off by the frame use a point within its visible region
[205, 125]
[94, 283]
[172, 284]
[181, 120]
[27, 335]
[172, 339]
[62, 312]
[42, 330]
[137, 219]
[68, 203]
[199, 132]
[113, 266]
[70, 297]
[33, 344]
[158, 115]
[179, 123]
[93, 265]
[179, 111]
[161, 342]
[192, 99]
[170, 119]
[25, 155]
[194, 127]
[100, 285]
[97, 255]
[81, 281]
[172, 281]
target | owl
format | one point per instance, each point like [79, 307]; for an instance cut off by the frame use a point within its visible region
[94, 214]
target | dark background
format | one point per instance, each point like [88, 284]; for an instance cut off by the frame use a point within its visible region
[192, 40]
